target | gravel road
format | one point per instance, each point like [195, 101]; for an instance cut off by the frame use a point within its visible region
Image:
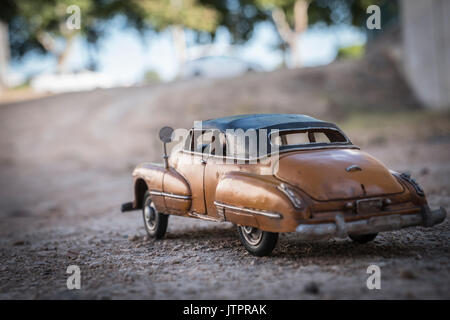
[65, 168]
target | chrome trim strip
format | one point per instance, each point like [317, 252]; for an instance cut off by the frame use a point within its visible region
[268, 214]
[170, 195]
[334, 146]
[203, 216]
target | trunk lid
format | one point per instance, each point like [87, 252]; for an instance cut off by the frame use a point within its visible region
[337, 174]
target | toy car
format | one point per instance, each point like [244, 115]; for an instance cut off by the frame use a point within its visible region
[305, 177]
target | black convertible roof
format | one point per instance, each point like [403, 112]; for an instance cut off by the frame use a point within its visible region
[265, 121]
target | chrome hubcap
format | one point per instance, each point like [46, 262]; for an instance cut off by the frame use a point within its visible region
[252, 235]
[150, 215]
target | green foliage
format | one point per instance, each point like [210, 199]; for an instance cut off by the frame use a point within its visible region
[239, 17]
[335, 11]
[152, 76]
[29, 20]
[351, 52]
[186, 13]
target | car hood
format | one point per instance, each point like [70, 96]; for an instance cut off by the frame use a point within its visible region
[327, 174]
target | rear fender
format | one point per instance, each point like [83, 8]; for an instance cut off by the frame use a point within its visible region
[177, 192]
[257, 201]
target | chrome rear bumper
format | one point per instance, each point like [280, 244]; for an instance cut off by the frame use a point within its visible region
[341, 229]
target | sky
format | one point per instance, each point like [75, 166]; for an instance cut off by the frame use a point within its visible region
[125, 57]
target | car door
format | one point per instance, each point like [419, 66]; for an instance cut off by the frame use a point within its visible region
[217, 165]
[191, 164]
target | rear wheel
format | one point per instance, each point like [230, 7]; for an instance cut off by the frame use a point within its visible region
[257, 242]
[363, 238]
[155, 222]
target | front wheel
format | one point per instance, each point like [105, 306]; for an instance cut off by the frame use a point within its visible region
[155, 222]
[363, 238]
[257, 242]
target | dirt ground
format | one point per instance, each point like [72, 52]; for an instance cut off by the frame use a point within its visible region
[65, 168]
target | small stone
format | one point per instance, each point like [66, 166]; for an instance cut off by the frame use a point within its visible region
[19, 243]
[312, 288]
[95, 263]
[47, 272]
[73, 253]
[407, 274]
[424, 171]
[133, 238]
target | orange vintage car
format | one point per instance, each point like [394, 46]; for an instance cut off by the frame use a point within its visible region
[272, 173]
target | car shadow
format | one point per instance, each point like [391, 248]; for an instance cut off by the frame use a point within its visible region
[291, 248]
[215, 233]
[346, 249]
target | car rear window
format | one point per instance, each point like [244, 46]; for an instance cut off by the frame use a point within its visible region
[307, 136]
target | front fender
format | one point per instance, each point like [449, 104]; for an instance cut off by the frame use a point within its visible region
[257, 201]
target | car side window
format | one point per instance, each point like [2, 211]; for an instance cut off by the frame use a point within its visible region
[218, 144]
[211, 142]
[243, 145]
[202, 140]
[188, 141]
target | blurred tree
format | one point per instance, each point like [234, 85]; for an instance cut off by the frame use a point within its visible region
[239, 17]
[292, 17]
[6, 9]
[41, 25]
[4, 55]
[291, 20]
[177, 15]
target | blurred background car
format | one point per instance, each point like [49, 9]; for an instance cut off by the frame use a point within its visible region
[217, 67]
[77, 81]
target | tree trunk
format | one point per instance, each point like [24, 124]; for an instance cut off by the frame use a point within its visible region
[291, 36]
[300, 26]
[179, 41]
[295, 52]
[49, 44]
[4, 55]
[62, 56]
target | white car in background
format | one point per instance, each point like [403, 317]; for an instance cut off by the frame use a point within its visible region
[217, 67]
[68, 82]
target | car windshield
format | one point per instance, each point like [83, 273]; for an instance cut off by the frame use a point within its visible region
[287, 138]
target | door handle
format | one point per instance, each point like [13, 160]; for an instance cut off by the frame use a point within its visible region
[203, 161]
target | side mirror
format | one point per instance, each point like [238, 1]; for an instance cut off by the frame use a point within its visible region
[165, 135]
